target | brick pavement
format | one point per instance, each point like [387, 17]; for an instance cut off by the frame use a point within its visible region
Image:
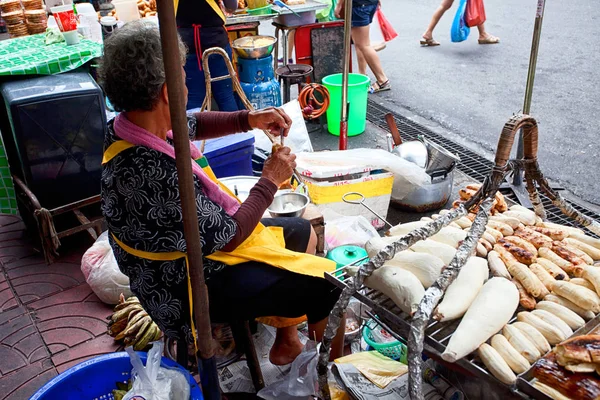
[50, 319]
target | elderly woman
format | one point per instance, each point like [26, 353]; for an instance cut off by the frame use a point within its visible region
[253, 268]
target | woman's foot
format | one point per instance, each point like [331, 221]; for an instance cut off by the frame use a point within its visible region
[488, 39]
[287, 346]
[284, 353]
[379, 46]
[429, 42]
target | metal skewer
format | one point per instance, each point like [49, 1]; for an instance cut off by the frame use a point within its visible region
[361, 201]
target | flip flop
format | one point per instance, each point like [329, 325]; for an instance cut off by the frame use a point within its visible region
[489, 39]
[381, 87]
[379, 46]
[429, 42]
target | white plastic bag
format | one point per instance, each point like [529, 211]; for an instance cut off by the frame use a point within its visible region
[325, 164]
[297, 139]
[301, 382]
[102, 273]
[342, 230]
[154, 382]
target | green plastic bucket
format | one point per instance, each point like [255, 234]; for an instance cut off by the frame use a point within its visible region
[358, 91]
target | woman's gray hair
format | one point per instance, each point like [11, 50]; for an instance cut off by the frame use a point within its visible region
[132, 72]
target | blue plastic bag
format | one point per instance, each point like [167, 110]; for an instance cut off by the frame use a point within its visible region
[460, 31]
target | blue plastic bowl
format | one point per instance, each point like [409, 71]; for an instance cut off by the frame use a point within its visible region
[95, 378]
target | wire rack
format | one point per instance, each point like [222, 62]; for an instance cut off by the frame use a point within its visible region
[472, 164]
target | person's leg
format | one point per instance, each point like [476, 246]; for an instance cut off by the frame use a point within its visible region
[317, 330]
[362, 62]
[291, 38]
[437, 15]
[362, 42]
[222, 90]
[194, 81]
[485, 37]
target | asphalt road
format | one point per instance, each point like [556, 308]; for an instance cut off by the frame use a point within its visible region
[472, 90]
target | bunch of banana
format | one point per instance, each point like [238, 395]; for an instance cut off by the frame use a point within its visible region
[131, 324]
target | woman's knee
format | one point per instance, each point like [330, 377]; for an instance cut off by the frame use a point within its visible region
[311, 248]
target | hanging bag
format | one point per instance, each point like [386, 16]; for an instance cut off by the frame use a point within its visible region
[460, 31]
[387, 30]
[475, 14]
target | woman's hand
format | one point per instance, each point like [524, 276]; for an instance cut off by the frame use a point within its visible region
[280, 165]
[271, 119]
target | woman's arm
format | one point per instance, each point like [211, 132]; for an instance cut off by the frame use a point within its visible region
[215, 124]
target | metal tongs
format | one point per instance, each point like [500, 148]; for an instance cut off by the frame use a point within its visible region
[360, 200]
[301, 188]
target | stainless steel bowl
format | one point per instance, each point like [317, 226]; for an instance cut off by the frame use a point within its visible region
[438, 157]
[429, 197]
[249, 46]
[295, 202]
[413, 151]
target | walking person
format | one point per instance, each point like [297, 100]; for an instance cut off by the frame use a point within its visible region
[201, 25]
[428, 40]
[363, 12]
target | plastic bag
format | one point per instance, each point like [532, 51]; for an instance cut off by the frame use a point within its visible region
[387, 30]
[342, 230]
[102, 273]
[301, 382]
[297, 139]
[460, 31]
[154, 382]
[407, 175]
[475, 13]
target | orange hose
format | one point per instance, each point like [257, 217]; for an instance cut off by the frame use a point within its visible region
[312, 107]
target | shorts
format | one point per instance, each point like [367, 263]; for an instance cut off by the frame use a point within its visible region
[363, 15]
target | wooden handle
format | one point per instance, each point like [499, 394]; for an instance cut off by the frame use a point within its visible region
[507, 139]
[391, 122]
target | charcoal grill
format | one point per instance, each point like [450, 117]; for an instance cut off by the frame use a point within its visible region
[421, 333]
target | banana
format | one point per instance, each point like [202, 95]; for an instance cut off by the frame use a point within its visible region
[554, 321]
[579, 295]
[501, 227]
[510, 221]
[583, 282]
[585, 314]
[116, 327]
[571, 318]
[496, 364]
[534, 336]
[147, 321]
[134, 326]
[515, 361]
[158, 334]
[134, 313]
[142, 342]
[521, 343]
[126, 304]
[125, 311]
[544, 276]
[550, 332]
[592, 274]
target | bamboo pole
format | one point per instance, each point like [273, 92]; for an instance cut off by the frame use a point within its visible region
[535, 45]
[177, 105]
[345, 73]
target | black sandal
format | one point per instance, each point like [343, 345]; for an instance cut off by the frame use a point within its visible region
[381, 87]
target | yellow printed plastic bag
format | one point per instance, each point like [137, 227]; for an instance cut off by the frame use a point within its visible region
[376, 367]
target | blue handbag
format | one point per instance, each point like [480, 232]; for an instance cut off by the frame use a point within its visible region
[460, 31]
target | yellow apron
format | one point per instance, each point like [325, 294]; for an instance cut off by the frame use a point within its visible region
[265, 245]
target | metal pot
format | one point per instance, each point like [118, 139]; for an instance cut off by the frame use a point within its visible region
[438, 158]
[413, 151]
[254, 47]
[429, 197]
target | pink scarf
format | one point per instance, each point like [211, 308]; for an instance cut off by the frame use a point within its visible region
[133, 134]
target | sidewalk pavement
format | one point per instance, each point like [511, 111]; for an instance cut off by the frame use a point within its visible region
[49, 318]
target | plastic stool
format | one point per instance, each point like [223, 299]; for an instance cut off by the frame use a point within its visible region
[292, 74]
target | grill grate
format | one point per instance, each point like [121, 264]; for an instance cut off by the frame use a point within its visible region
[471, 163]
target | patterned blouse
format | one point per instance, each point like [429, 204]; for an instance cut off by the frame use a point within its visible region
[141, 204]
